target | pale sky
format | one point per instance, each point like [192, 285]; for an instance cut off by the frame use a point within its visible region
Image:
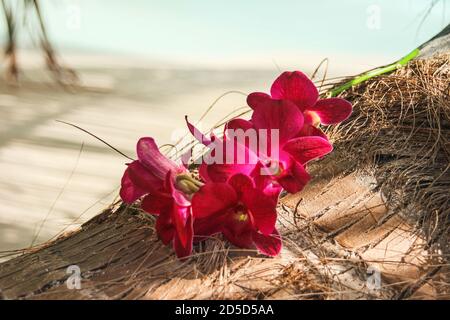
[248, 30]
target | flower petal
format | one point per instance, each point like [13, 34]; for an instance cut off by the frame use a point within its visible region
[150, 156]
[242, 239]
[265, 182]
[241, 131]
[208, 226]
[181, 217]
[309, 130]
[222, 172]
[296, 87]
[256, 100]
[232, 158]
[180, 209]
[144, 178]
[270, 245]
[332, 110]
[197, 133]
[262, 209]
[305, 149]
[164, 228]
[296, 179]
[241, 184]
[278, 114]
[156, 203]
[178, 197]
[129, 191]
[212, 198]
[184, 249]
[238, 123]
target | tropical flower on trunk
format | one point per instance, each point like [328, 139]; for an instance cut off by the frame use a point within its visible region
[165, 188]
[242, 173]
[241, 212]
[284, 160]
[298, 88]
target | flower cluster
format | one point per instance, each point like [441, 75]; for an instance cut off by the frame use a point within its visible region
[243, 172]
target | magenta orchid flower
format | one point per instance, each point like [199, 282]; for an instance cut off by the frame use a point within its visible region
[286, 166]
[222, 171]
[243, 172]
[153, 176]
[243, 213]
[298, 88]
[174, 222]
[147, 174]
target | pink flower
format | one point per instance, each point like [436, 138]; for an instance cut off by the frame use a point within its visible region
[284, 162]
[246, 175]
[154, 176]
[296, 87]
[236, 208]
[147, 174]
[225, 163]
[175, 221]
[222, 171]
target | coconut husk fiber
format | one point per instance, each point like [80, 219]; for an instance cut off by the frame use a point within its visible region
[378, 205]
[401, 130]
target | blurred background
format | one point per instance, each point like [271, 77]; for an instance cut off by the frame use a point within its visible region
[141, 66]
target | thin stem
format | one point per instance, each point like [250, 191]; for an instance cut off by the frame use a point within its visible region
[374, 73]
[99, 139]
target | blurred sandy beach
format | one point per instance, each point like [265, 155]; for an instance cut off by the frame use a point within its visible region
[46, 184]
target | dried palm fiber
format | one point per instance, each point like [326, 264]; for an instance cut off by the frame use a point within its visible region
[120, 257]
[400, 130]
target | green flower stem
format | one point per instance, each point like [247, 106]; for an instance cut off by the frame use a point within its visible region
[374, 73]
